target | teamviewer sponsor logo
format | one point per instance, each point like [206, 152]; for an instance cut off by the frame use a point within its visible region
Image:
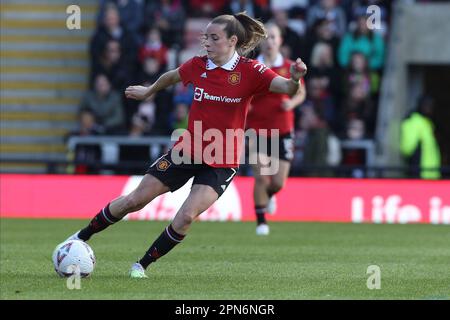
[198, 94]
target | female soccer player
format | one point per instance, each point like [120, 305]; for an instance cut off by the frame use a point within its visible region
[272, 111]
[224, 83]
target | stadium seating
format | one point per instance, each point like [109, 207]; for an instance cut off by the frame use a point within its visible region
[44, 70]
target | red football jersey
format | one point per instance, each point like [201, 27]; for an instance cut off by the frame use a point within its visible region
[266, 111]
[222, 97]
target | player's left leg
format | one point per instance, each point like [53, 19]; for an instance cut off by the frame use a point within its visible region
[207, 187]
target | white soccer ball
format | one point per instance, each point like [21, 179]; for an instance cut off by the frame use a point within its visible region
[72, 257]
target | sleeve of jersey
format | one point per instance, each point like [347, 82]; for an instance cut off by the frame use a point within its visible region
[263, 78]
[185, 71]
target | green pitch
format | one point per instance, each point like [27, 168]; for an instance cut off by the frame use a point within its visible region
[228, 261]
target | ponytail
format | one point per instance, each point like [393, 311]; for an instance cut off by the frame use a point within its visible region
[249, 32]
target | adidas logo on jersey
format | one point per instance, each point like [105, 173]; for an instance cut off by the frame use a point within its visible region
[203, 75]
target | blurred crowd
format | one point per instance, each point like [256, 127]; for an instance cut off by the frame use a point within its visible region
[137, 40]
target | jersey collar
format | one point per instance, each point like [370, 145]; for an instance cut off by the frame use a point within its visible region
[277, 63]
[230, 65]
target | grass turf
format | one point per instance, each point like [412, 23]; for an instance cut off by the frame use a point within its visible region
[228, 261]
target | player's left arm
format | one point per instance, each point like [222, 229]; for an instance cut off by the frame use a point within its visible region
[289, 86]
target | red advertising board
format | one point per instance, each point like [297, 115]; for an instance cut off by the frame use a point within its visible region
[302, 199]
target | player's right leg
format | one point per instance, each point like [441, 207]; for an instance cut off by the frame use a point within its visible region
[149, 188]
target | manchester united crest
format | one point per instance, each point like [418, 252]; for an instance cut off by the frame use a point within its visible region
[162, 165]
[234, 78]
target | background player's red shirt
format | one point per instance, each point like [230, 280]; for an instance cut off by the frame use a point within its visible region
[222, 97]
[266, 111]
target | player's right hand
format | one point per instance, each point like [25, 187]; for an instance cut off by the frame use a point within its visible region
[136, 92]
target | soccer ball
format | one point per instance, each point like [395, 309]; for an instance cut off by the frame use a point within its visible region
[72, 257]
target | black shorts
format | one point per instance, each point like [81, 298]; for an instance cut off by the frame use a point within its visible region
[175, 176]
[285, 149]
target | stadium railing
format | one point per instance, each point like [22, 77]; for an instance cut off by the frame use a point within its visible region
[110, 145]
[112, 149]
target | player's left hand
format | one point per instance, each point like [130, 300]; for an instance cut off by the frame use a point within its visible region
[298, 69]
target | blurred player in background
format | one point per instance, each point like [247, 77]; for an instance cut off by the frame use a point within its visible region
[272, 111]
[224, 85]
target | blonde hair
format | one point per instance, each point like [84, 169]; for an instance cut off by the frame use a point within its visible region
[249, 32]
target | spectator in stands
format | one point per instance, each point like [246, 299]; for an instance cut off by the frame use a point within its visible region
[130, 11]
[356, 8]
[144, 119]
[112, 64]
[302, 144]
[418, 144]
[151, 69]
[106, 104]
[358, 104]
[293, 44]
[328, 9]
[355, 130]
[169, 17]
[251, 7]
[321, 99]
[206, 8]
[236, 6]
[323, 67]
[289, 4]
[299, 143]
[315, 153]
[153, 47]
[111, 29]
[358, 72]
[322, 32]
[183, 94]
[297, 20]
[85, 156]
[87, 124]
[363, 40]
[182, 99]
[179, 117]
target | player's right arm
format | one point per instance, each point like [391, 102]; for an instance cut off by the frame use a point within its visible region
[166, 80]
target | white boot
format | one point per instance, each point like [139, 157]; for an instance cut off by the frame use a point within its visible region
[75, 236]
[262, 230]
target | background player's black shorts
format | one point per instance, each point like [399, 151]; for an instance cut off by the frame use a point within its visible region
[175, 176]
[286, 146]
